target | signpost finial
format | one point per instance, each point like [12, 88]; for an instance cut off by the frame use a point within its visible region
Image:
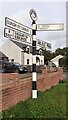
[33, 14]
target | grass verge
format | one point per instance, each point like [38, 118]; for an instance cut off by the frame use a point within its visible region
[49, 104]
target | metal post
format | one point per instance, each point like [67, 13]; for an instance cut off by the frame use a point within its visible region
[34, 86]
[33, 16]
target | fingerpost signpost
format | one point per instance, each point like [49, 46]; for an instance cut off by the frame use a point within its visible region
[41, 27]
[19, 32]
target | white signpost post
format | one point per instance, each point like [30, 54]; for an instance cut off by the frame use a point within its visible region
[33, 16]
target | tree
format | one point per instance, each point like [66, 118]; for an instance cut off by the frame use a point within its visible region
[59, 51]
[64, 52]
[48, 55]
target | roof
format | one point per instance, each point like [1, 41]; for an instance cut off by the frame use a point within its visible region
[23, 46]
[57, 58]
[2, 55]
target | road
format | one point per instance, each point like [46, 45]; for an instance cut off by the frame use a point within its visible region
[5, 77]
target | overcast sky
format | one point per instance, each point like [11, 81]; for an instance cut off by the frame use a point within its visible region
[47, 12]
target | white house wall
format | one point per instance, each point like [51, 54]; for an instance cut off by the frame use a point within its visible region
[41, 59]
[56, 60]
[56, 63]
[27, 56]
[12, 51]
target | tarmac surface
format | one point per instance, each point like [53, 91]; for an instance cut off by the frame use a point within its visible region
[4, 77]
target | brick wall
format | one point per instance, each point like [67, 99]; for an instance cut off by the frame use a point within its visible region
[15, 89]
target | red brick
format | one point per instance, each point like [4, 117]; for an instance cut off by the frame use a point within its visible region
[15, 90]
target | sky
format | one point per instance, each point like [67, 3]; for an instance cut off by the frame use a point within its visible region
[47, 12]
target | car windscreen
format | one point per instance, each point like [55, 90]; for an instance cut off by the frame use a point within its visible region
[18, 65]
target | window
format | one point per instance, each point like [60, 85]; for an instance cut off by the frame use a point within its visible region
[40, 52]
[27, 61]
[9, 31]
[41, 61]
[28, 49]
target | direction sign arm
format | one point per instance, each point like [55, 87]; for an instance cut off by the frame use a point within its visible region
[50, 27]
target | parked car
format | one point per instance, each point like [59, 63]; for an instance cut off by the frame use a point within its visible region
[10, 67]
[54, 68]
[65, 68]
[53, 65]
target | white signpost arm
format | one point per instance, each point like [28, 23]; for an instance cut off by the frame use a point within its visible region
[50, 27]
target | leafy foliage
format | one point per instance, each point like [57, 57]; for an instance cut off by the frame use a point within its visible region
[48, 55]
